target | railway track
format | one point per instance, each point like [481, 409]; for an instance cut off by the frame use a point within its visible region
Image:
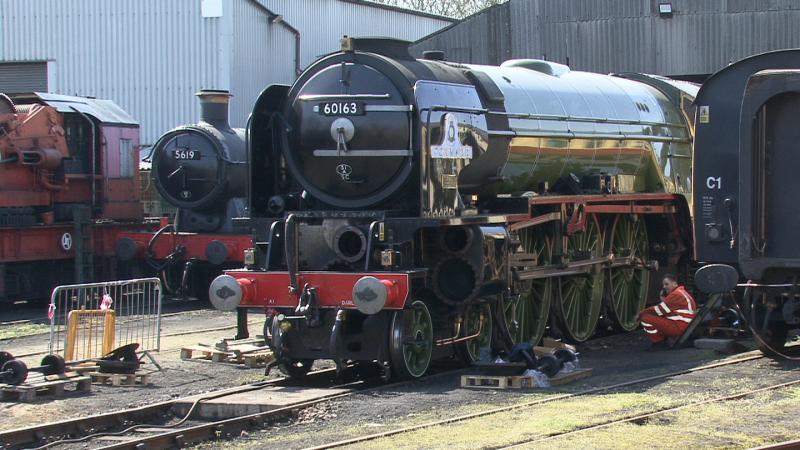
[540, 401]
[167, 335]
[641, 418]
[45, 319]
[153, 436]
[785, 445]
[170, 436]
[227, 428]
[186, 432]
[82, 427]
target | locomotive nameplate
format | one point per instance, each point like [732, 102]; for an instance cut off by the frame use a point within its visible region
[451, 146]
[340, 108]
[184, 154]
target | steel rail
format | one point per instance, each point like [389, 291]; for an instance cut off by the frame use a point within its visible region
[232, 427]
[181, 437]
[38, 433]
[177, 333]
[785, 445]
[46, 321]
[82, 426]
[531, 403]
[643, 417]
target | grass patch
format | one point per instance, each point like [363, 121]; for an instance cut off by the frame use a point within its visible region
[23, 329]
[539, 421]
[523, 424]
[737, 424]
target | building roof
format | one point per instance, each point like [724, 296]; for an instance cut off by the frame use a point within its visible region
[104, 111]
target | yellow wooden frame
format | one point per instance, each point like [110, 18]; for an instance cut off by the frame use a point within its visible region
[75, 318]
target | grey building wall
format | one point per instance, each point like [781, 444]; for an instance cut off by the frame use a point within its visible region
[151, 56]
[483, 38]
[700, 37]
[261, 53]
[322, 23]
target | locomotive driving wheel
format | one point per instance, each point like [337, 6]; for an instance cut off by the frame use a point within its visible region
[528, 310]
[626, 291]
[580, 297]
[292, 367]
[767, 322]
[411, 340]
[471, 349]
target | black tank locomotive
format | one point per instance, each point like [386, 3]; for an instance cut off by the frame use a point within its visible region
[202, 170]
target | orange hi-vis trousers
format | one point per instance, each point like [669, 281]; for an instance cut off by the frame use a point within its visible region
[659, 328]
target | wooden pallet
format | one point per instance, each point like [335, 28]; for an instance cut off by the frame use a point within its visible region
[121, 379]
[250, 357]
[234, 344]
[257, 360]
[84, 368]
[200, 353]
[54, 385]
[519, 381]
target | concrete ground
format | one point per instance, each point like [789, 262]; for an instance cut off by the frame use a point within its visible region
[614, 359]
[178, 379]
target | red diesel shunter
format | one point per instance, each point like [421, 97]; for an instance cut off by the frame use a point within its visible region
[70, 185]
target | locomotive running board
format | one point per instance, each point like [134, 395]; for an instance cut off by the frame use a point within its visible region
[582, 267]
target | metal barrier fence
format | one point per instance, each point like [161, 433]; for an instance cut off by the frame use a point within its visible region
[89, 320]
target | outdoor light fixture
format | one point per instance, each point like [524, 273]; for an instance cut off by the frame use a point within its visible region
[665, 9]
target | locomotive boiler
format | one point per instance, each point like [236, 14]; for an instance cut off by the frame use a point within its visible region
[202, 170]
[746, 219]
[443, 208]
[69, 171]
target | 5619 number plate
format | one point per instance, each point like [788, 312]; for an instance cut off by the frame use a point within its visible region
[341, 108]
[186, 154]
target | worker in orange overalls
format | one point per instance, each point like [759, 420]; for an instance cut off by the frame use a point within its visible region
[672, 316]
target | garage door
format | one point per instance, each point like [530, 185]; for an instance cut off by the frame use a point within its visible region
[23, 77]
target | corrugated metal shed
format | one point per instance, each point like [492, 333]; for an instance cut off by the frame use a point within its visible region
[698, 38]
[322, 23]
[23, 77]
[151, 56]
[483, 37]
[262, 53]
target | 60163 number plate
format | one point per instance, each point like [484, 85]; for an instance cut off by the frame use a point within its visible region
[184, 154]
[341, 108]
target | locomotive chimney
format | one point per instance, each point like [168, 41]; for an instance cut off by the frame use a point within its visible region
[214, 107]
[433, 55]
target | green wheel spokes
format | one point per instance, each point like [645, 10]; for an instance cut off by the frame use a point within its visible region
[471, 326]
[417, 344]
[580, 297]
[627, 290]
[528, 310]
